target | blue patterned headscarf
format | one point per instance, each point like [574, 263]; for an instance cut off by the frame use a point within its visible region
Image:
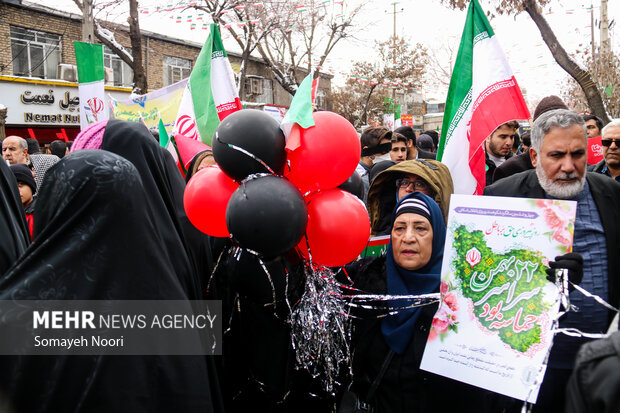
[398, 328]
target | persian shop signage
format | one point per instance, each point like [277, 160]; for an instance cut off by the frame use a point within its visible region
[66, 103]
[43, 104]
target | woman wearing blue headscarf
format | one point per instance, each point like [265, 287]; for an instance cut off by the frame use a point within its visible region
[388, 346]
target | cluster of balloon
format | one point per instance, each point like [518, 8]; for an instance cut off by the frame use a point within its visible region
[319, 159]
[266, 214]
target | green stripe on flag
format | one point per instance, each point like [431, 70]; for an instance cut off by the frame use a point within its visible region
[200, 86]
[163, 134]
[89, 59]
[300, 111]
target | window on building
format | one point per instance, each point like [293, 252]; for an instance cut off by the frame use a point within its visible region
[321, 100]
[118, 73]
[258, 89]
[176, 69]
[35, 53]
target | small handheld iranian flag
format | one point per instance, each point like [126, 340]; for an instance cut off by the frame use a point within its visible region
[483, 95]
[210, 94]
[91, 76]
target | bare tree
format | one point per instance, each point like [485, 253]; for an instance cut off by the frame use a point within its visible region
[581, 76]
[106, 36]
[605, 71]
[398, 66]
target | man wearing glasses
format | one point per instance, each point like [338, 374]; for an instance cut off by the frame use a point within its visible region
[610, 165]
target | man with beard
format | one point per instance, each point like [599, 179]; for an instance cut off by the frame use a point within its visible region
[498, 147]
[559, 155]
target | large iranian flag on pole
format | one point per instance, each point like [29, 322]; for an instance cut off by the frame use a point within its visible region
[91, 77]
[483, 95]
[210, 94]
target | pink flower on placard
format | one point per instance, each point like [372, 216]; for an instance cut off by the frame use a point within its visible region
[451, 301]
[562, 236]
[441, 322]
[443, 288]
[554, 221]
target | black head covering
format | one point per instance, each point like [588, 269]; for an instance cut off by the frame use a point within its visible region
[13, 230]
[94, 240]
[164, 187]
[24, 174]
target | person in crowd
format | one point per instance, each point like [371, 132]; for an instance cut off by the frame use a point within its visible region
[498, 147]
[594, 125]
[398, 153]
[199, 161]
[428, 176]
[559, 156]
[412, 150]
[525, 144]
[27, 190]
[376, 142]
[40, 162]
[425, 143]
[610, 140]
[516, 144]
[523, 162]
[95, 240]
[15, 150]
[388, 350]
[58, 148]
[594, 383]
[435, 137]
[33, 146]
[187, 247]
[13, 227]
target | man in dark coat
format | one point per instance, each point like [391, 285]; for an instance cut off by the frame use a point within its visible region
[559, 154]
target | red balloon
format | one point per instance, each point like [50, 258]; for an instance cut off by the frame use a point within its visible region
[324, 155]
[206, 198]
[338, 228]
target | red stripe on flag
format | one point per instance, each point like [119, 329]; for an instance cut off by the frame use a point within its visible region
[226, 109]
[499, 103]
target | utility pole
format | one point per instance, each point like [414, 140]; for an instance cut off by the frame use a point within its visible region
[592, 31]
[394, 44]
[88, 23]
[605, 42]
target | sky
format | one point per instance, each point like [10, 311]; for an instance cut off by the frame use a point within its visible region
[435, 26]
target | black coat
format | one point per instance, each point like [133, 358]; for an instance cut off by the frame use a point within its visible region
[404, 386]
[512, 166]
[13, 229]
[594, 384]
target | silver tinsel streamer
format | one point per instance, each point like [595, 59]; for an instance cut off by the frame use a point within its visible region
[321, 329]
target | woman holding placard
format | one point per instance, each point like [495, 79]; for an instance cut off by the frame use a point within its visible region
[388, 348]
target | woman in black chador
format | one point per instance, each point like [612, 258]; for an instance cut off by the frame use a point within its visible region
[95, 240]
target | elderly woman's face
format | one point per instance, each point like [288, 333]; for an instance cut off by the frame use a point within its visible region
[412, 241]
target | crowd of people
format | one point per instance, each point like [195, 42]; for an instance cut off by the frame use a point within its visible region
[107, 221]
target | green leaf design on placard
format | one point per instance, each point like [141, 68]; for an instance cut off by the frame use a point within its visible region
[506, 289]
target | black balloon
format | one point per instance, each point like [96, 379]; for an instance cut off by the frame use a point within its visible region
[253, 131]
[267, 215]
[354, 185]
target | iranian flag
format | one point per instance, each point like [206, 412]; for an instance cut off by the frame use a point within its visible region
[483, 95]
[210, 94]
[91, 76]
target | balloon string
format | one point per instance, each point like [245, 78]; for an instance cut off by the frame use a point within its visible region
[216, 267]
[251, 155]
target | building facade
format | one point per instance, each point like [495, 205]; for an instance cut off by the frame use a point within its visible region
[38, 79]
